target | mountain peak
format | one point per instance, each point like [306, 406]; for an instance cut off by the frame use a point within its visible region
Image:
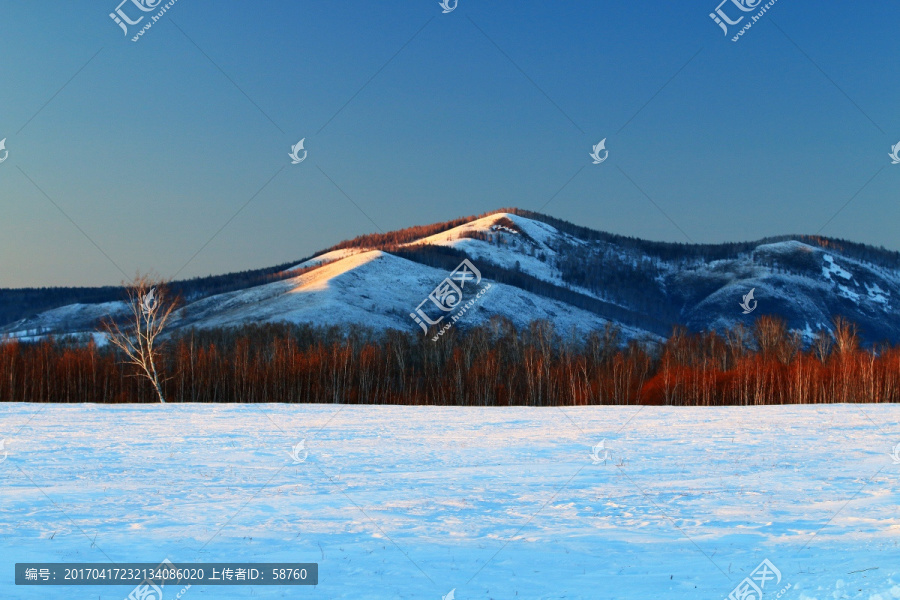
[542, 268]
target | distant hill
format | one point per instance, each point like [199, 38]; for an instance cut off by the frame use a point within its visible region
[538, 268]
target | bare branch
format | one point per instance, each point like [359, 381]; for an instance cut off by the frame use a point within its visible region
[150, 307]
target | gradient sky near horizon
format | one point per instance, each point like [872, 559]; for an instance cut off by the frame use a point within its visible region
[179, 143]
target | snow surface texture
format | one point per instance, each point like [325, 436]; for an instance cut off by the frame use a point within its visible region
[411, 502]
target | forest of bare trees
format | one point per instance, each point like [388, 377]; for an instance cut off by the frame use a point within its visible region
[490, 365]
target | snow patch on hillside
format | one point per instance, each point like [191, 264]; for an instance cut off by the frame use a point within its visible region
[832, 268]
[876, 294]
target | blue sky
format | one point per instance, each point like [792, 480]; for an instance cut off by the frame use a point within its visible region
[150, 148]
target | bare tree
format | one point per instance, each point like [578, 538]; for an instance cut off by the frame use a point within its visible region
[769, 333]
[149, 308]
[822, 344]
[846, 336]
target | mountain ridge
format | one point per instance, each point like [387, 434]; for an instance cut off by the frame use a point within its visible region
[544, 268]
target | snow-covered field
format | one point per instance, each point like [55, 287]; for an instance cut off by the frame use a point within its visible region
[413, 502]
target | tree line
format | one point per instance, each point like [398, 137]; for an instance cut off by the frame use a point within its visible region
[493, 364]
[674, 251]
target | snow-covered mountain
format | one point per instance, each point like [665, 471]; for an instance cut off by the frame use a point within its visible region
[535, 267]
